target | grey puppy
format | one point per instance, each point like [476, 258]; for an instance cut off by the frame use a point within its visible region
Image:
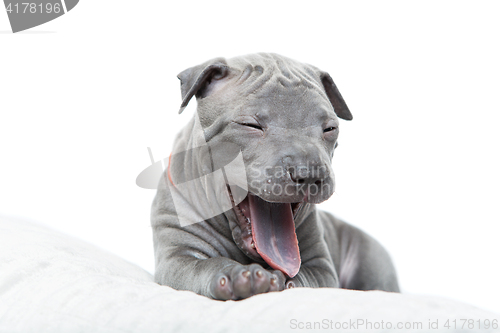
[281, 117]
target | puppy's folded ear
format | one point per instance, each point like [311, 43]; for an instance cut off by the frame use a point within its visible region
[197, 81]
[333, 93]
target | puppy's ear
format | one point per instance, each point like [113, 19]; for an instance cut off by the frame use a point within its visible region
[333, 93]
[197, 80]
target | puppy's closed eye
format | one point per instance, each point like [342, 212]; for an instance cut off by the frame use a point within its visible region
[252, 125]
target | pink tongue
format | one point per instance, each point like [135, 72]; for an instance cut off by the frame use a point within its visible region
[274, 235]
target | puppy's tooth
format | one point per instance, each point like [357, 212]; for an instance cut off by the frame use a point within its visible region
[223, 282]
[259, 274]
[273, 281]
[246, 274]
[252, 245]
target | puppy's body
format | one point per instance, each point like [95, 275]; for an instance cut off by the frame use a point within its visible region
[230, 237]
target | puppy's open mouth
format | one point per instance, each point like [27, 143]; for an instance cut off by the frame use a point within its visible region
[268, 232]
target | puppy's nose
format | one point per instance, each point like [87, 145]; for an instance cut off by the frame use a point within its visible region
[307, 174]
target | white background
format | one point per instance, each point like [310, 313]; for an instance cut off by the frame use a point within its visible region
[83, 96]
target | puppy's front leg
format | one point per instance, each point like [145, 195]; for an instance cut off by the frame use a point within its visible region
[198, 268]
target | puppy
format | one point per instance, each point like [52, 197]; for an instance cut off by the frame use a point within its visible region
[235, 213]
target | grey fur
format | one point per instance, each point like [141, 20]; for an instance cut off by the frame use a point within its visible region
[297, 106]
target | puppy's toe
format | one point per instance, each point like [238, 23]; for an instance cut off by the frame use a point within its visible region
[221, 287]
[291, 284]
[241, 278]
[261, 280]
[277, 281]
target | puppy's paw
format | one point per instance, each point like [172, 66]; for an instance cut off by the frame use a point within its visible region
[245, 281]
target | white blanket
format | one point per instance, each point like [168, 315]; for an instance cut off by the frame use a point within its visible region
[51, 282]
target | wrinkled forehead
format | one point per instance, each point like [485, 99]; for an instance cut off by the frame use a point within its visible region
[280, 90]
[289, 108]
[264, 73]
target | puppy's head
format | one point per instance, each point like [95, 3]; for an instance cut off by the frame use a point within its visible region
[282, 116]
